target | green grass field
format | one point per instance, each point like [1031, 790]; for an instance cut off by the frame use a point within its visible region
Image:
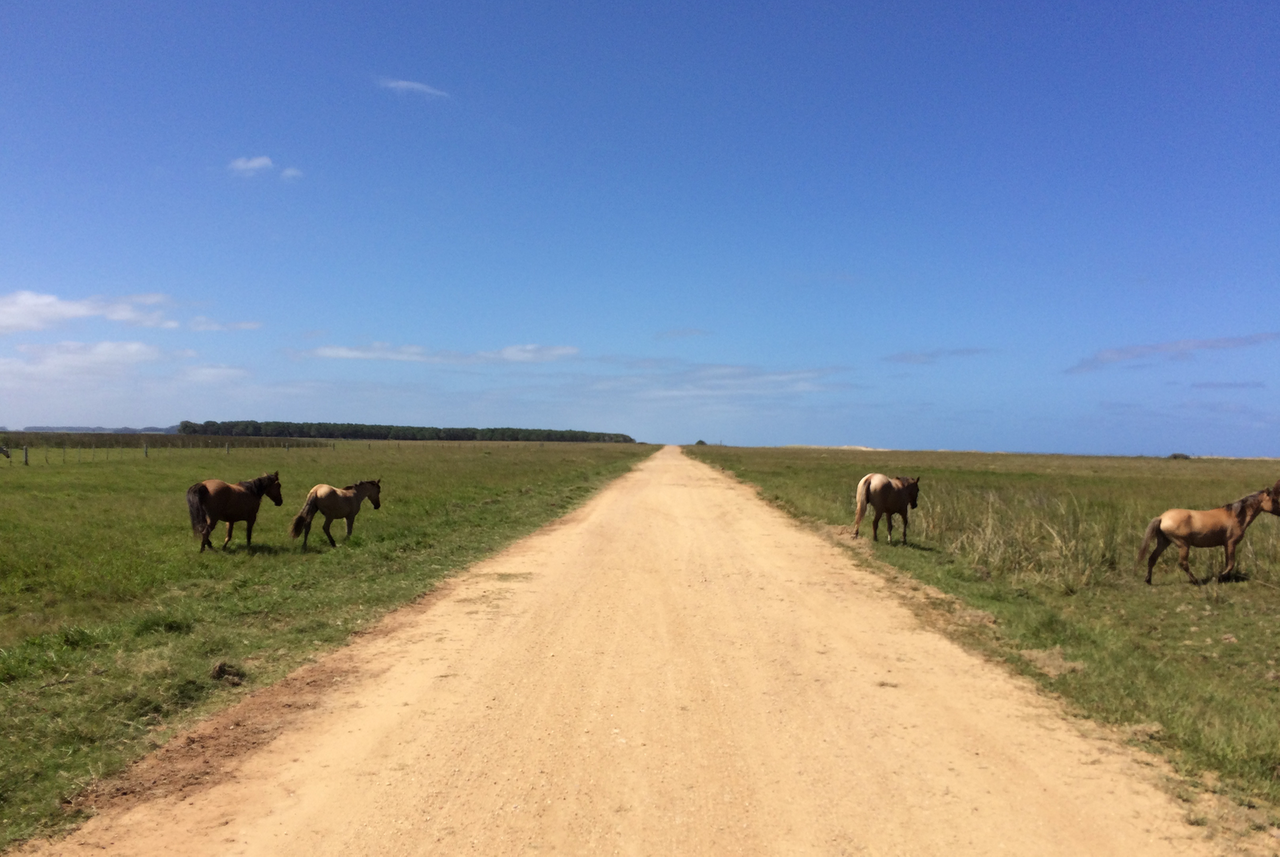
[111, 622]
[1047, 545]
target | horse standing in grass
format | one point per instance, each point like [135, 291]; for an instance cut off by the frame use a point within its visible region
[334, 503]
[889, 496]
[213, 500]
[1221, 527]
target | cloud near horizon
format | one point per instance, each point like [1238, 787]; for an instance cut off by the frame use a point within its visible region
[65, 360]
[26, 311]
[1181, 349]
[418, 354]
[412, 86]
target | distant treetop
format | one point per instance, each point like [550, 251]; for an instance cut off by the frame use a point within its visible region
[358, 431]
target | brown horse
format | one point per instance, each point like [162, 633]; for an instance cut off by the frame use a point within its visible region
[213, 500]
[1221, 527]
[889, 496]
[334, 503]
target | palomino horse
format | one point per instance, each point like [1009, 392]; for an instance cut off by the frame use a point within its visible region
[1221, 527]
[889, 496]
[334, 503]
[213, 500]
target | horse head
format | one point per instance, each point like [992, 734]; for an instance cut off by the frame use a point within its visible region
[375, 490]
[1271, 499]
[272, 488]
[912, 486]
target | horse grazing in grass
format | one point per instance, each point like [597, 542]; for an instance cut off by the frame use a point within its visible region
[1221, 527]
[889, 496]
[213, 500]
[334, 503]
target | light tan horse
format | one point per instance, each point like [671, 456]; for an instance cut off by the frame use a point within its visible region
[334, 503]
[1221, 527]
[213, 500]
[889, 496]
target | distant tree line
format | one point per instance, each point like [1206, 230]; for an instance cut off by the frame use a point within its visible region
[357, 431]
[100, 430]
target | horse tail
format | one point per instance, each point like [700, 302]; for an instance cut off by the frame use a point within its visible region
[1152, 529]
[860, 497]
[304, 517]
[196, 495]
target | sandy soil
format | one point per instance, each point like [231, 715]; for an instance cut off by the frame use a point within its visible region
[675, 668]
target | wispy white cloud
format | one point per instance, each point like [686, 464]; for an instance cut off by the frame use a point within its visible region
[250, 166]
[376, 351]
[528, 354]
[23, 311]
[202, 323]
[213, 375]
[412, 86]
[418, 354]
[711, 381]
[290, 173]
[926, 358]
[65, 360]
[1181, 349]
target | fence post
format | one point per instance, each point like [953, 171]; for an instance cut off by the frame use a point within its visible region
[146, 451]
[25, 463]
[228, 447]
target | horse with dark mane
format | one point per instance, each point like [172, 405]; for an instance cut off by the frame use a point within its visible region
[1221, 527]
[213, 500]
[889, 496]
[334, 503]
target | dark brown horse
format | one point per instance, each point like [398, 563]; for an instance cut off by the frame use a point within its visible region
[889, 496]
[1221, 527]
[334, 503]
[213, 500]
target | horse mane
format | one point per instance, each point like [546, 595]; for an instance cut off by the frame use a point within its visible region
[259, 486]
[1246, 504]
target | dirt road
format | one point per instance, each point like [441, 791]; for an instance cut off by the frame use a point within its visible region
[677, 669]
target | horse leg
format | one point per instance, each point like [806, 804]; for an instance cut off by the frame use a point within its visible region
[904, 526]
[205, 532]
[875, 526]
[1184, 554]
[230, 526]
[1230, 548]
[351, 524]
[248, 532]
[1162, 542]
[327, 522]
[306, 531]
[888, 520]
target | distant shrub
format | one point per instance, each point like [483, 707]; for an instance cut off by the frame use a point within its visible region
[701, 443]
[1180, 455]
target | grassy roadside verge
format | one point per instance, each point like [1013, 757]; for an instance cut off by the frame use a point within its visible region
[112, 625]
[1046, 545]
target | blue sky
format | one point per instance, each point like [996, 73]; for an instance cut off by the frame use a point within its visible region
[1047, 227]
